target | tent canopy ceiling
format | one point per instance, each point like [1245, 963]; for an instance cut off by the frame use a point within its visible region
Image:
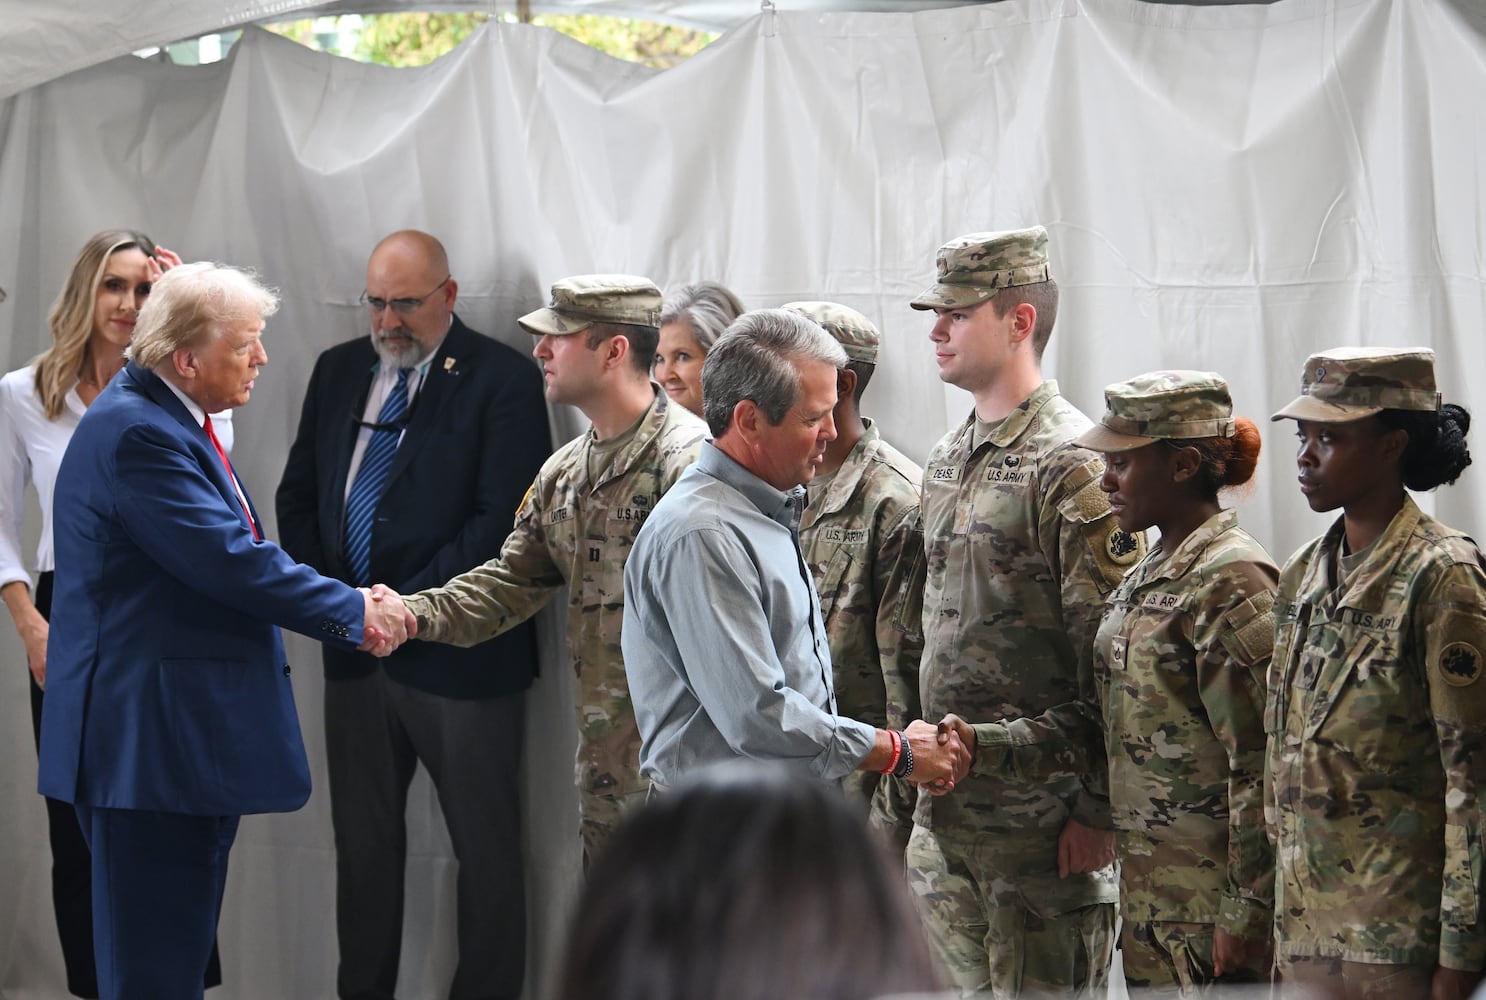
[43, 41]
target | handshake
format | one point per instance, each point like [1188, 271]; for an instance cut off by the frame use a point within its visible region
[941, 754]
[387, 623]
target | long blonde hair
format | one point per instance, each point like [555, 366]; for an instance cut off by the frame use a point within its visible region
[71, 316]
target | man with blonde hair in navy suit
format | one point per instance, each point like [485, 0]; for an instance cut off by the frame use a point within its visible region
[169, 712]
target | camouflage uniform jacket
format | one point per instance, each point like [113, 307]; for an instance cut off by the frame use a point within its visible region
[576, 532]
[1181, 660]
[1021, 551]
[864, 543]
[1376, 768]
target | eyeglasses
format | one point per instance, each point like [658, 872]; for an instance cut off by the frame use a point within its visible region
[403, 307]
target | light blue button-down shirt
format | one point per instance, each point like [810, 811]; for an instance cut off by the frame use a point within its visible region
[723, 641]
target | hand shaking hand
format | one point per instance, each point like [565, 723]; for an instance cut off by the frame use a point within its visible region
[953, 730]
[387, 623]
[940, 758]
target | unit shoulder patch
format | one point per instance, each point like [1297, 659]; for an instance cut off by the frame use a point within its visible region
[1459, 664]
[1122, 547]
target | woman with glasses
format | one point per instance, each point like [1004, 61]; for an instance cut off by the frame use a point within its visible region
[92, 322]
[691, 319]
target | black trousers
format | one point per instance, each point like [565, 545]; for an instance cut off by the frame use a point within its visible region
[72, 864]
[376, 732]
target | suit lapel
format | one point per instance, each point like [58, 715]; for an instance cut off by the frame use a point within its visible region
[154, 387]
[445, 376]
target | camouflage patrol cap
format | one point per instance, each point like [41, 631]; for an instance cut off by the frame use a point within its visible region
[583, 300]
[1157, 406]
[1349, 383]
[975, 267]
[855, 332]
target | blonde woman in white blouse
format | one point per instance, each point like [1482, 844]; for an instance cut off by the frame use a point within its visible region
[40, 405]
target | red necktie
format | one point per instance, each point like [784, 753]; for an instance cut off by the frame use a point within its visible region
[222, 454]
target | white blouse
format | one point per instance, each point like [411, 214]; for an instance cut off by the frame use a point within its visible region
[31, 448]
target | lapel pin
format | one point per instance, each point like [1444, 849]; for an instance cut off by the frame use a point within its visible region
[449, 364]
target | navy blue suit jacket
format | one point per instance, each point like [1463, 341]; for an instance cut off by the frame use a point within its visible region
[477, 436]
[167, 685]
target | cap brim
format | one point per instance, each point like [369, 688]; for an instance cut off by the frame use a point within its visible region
[1101, 438]
[952, 296]
[544, 321]
[1322, 412]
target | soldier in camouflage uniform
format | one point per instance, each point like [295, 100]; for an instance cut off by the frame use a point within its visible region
[579, 519]
[1180, 662]
[862, 538]
[1376, 718]
[1013, 870]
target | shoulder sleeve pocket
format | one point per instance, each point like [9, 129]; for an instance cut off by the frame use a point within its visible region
[1249, 632]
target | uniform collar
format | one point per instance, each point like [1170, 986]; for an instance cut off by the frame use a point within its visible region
[848, 477]
[1017, 422]
[627, 457]
[1370, 585]
[1191, 548]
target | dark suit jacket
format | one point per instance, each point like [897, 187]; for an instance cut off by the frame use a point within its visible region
[476, 438]
[167, 686]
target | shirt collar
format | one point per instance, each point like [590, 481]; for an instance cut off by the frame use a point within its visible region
[197, 413]
[782, 507]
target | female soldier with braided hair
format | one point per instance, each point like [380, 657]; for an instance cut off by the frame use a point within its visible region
[1377, 706]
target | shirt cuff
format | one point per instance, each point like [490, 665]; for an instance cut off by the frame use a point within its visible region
[422, 609]
[1462, 948]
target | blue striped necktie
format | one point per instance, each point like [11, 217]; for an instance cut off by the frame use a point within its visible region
[371, 480]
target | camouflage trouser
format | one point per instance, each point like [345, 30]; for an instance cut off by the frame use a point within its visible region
[1172, 958]
[1315, 978]
[884, 805]
[607, 767]
[598, 815]
[858, 787]
[991, 940]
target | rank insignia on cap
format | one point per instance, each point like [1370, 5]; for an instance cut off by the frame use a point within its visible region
[1460, 664]
[1121, 547]
[1320, 374]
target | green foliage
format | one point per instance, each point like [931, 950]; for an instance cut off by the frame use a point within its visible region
[413, 39]
[658, 45]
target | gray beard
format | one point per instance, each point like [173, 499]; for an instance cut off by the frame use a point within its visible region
[394, 355]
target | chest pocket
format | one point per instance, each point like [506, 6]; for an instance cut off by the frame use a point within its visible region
[1291, 625]
[833, 583]
[1368, 703]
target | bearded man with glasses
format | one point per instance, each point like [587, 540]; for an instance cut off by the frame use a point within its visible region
[414, 449]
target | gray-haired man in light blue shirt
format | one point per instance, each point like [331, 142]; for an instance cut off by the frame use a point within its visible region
[724, 646]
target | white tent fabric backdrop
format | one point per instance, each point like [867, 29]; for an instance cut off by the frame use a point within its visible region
[1225, 187]
[43, 41]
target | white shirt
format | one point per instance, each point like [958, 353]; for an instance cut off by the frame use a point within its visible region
[31, 448]
[376, 395]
